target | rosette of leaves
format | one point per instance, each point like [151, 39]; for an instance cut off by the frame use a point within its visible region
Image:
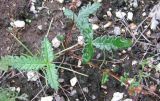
[103, 43]
[35, 63]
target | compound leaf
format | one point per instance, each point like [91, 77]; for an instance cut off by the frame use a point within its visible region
[27, 63]
[85, 28]
[87, 10]
[70, 14]
[52, 76]
[111, 43]
[105, 78]
[47, 51]
[88, 52]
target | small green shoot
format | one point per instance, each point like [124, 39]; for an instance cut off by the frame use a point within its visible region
[103, 43]
[35, 63]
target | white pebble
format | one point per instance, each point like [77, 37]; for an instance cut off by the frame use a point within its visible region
[60, 1]
[73, 92]
[109, 13]
[130, 16]
[33, 9]
[154, 23]
[135, 4]
[55, 42]
[48, 98]
[79, 63]
[117, 96]
[32, 76]
[93, 97]
[120, 14]
[95, 26]
[128, 99]
[144, 14]
[124, 51]
[40, 27]
[117, 31]
[85, 89]
[73, 81]
[134, 62]
[80, 40]
[18, 23]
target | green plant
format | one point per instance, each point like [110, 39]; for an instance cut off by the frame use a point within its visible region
[7, 95]
[46, 58]
[105, 78]
[103, 43]
[35, 63]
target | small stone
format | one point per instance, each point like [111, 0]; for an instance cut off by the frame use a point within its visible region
[117, 96]
[135, 3]
[48, 98]
[98, 0]
[113, 65]
[32, 76]
[128, 99]
[148, 33]
[123, 30]
[95, 26]
[107, 24]
[154, 23]
[130, 16]
[73, 92]
[78, 2]
[129, 49]
[60, 1]
[93, 97]
[40, 27]
[120, 14]
[73, 81]
[98, 55]
[60, 80]
[124, 51]
[80, 40]
[18, 89]
[85, 89]
[55, 42]
[117, 31]
[144, 14]
[134, 62]
[33, 8]
[109, 13]
[132, 26]
[79, 63]
[18, 23]
[103, 86]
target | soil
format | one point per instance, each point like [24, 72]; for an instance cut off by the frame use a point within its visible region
[31, 37]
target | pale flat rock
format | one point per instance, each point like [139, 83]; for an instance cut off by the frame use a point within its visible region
[117, 96]
[47, 98]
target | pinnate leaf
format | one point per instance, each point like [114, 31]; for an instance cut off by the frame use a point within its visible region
[27, 63]
[47, 51]
[70, 14]
[88, 52]
[89, 9]
[111, 43]
[52, 76]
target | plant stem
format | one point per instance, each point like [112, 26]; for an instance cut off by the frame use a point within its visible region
[21, 44]
[66, 49]
[72, 71]
[49, 27]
